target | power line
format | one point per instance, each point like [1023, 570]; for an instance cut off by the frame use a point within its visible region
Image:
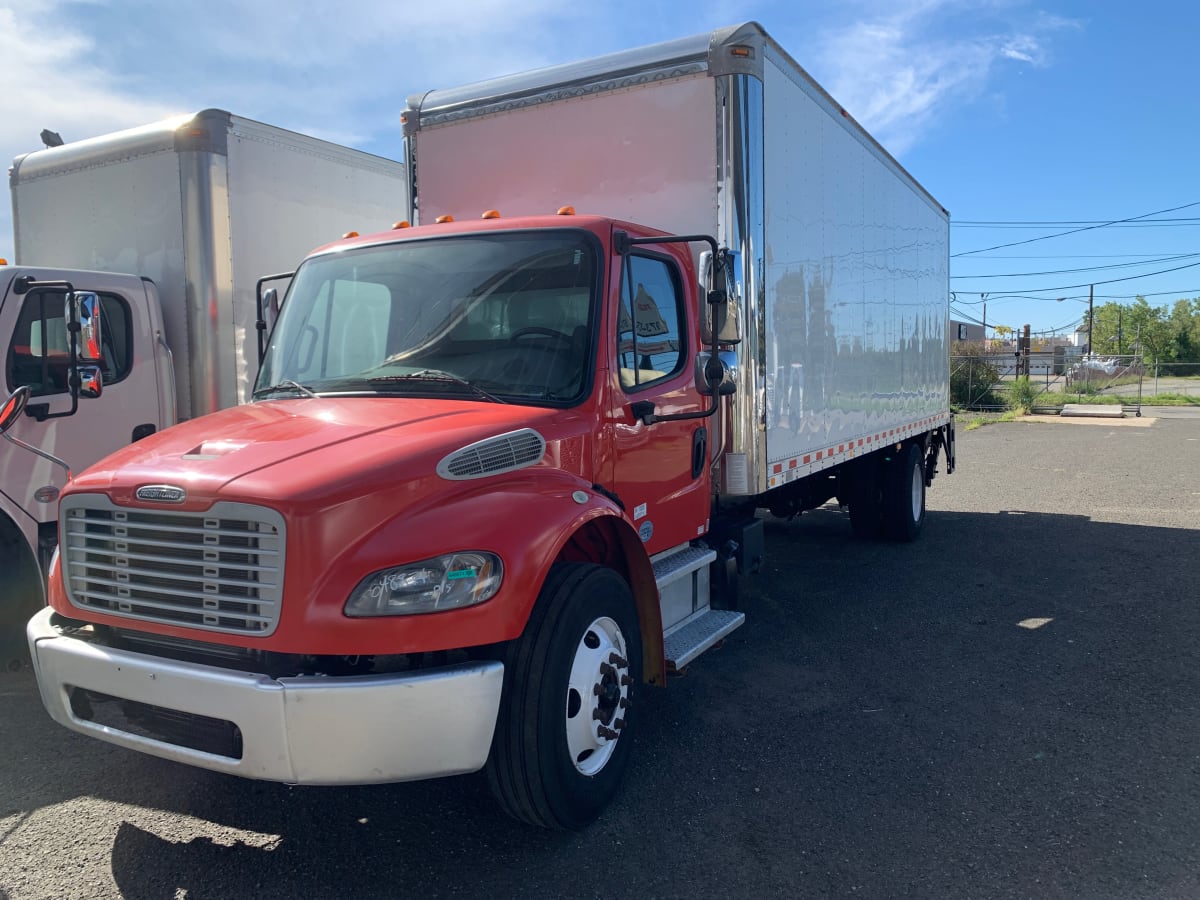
[1152, 223]
[1075, 256]
[1069, 287]
[1061, 222]
[1077, 230]
[1144, 262]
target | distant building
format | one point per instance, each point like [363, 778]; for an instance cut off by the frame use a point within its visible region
[1080, 337]
[965, 331]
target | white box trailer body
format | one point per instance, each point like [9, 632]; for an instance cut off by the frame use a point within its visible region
[203, 205]
[842, 257]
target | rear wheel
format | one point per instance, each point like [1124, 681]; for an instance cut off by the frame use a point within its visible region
[866, 500]
[562, 743]
[904, 495]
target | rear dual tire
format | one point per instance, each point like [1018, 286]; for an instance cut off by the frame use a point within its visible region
[904, 496]
[888, 499]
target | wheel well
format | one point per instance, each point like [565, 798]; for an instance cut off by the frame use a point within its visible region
[22, 592]
[610, 542]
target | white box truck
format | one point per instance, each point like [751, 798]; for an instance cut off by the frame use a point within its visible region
[504, 468]
[172, 224]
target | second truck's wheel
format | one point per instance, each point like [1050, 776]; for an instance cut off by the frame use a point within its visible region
[904, 495]
[561, 744]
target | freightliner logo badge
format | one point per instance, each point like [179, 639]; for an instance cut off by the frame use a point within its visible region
[161, 493]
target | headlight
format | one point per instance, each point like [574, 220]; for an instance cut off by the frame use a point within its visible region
[446, 582]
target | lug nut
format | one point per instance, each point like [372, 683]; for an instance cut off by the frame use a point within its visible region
[617, 660]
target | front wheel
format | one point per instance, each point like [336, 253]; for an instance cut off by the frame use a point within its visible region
[562, 737]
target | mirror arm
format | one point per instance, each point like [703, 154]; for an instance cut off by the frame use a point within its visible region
[42, 453]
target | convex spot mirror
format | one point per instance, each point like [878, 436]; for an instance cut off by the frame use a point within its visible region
[721, 372]
[90, 381]
[13, 407]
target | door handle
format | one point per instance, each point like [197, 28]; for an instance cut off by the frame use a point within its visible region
[699, 451]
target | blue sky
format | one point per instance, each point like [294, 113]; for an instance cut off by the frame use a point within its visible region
[1008, 111]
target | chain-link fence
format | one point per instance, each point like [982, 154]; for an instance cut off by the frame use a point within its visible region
[984, 381]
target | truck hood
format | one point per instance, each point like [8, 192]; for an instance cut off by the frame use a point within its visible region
[296, 447]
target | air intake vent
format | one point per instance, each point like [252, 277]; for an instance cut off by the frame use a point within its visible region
[504, 453]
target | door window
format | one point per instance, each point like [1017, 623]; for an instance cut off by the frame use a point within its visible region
[37, 354]
[650, 341]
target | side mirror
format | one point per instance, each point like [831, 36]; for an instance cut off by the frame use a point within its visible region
[721, 312]
[719, 373]
[270, 307]
[84, 307]
[11, 411]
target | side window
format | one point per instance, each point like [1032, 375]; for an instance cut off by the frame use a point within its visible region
[650, 342]
[346, 332]
[37, 355]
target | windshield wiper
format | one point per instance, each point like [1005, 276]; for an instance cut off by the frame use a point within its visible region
[437, 375]
[286, 385]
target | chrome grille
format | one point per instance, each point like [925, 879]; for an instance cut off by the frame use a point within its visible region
[220, 570]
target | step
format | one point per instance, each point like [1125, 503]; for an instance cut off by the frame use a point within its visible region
[668, 569]
[691, 638]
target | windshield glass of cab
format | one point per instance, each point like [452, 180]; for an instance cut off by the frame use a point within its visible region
[505, 315]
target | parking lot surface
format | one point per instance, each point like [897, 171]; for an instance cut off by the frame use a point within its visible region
[1009, 707]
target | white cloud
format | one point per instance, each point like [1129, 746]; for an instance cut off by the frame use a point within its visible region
[898, 70]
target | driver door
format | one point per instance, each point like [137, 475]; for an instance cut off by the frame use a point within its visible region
[661, 470]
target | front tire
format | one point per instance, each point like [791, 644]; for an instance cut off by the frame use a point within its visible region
[562, 739]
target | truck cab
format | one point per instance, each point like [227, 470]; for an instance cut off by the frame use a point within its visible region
[139, 402]
[476, 456]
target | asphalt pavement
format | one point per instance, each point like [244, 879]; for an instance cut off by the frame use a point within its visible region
[1009, 707]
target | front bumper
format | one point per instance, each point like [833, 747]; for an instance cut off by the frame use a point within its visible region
[367, 729]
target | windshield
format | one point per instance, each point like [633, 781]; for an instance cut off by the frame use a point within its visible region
[492, 317]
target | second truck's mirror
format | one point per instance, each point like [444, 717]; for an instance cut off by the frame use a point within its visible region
[84, 307]
[90, 381]
[11, 411]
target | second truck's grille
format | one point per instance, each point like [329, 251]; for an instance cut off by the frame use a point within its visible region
[220, 570]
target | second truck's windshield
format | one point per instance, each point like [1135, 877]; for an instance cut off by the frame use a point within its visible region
[509, 314]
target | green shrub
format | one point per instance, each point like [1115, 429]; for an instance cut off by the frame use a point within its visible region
[1021, 395]
[973, 378]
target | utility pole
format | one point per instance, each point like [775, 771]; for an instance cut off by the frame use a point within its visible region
[1091, 319]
